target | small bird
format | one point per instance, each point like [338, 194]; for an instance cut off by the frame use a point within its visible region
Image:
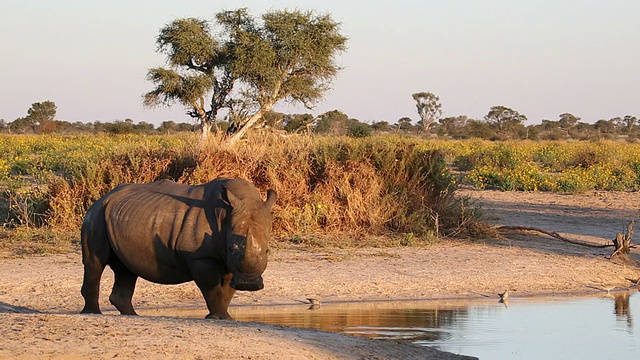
[314, 301]
[505, 303]
[608, 288]
[504, 296]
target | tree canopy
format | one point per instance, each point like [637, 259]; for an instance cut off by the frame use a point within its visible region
[40, 118]
[429, 108]
[246, 66]
[505, 120]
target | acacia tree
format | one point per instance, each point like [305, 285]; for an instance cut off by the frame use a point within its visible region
[197, 71]
[40, 116]
[626, 124]
[42, 111]
[298, 122]
[504, 119]
[453, 125]
[404, 124]
[429, 108]
[248, 66]
[332, 122]
[567, 121]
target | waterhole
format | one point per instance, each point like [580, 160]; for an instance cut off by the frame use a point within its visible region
[596, 327]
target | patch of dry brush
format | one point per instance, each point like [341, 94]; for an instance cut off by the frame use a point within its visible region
[367, 186]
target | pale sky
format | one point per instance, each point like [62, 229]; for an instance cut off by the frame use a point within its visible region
[538, 57]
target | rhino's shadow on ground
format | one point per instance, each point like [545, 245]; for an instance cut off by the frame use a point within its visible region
[14, 309]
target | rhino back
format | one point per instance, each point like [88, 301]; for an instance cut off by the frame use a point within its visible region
[156, 229]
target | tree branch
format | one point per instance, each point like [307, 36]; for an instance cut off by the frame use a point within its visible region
[553, 235]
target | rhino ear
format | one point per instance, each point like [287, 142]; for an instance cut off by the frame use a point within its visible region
[233, 200]
[272, 195]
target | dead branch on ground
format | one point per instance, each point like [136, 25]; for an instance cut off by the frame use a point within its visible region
[553, 235]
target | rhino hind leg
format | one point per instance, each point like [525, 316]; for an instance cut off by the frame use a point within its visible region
[123, 287]
[93, 269]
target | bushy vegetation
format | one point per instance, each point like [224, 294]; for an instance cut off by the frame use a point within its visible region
[366, 186]
[567, 167]
[326, 185]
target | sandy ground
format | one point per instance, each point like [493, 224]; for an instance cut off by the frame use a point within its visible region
[40, 299]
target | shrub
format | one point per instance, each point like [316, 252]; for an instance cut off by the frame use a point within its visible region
[372, 185]
[359, 130]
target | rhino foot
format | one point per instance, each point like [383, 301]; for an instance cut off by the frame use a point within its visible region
[90, 311]
[218, 316]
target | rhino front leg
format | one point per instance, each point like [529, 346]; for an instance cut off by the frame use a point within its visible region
[216, 303]
[215, 288]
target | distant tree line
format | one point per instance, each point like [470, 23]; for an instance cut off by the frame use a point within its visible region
[41, 119]
[500, 123]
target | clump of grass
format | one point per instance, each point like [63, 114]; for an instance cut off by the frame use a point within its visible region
[23, 202]
[20, 241]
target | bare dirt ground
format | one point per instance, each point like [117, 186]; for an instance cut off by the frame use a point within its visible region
[40, 297]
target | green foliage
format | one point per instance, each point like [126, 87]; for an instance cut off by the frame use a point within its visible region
[332, 122]
[408, 239]
[479, 129]
[506, 121]
[297, 123]
[568, 121]
[172, 87]
[196, 69]
[552, 166]
[40, 119]
[187, 42]
[359, 130]
[429, 108]
[248, 66]
[42, 112]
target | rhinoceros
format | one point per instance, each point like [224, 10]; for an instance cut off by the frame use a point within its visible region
[216, 234]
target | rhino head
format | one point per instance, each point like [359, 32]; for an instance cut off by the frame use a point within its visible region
[248, 238]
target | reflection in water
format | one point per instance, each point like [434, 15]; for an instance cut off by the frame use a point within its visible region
[548, 328]
[622, 308]
[379, 320]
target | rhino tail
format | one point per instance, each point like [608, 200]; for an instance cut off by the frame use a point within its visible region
[272, 195]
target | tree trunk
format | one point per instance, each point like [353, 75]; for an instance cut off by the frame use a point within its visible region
[622, 243]
[206, 130]
[426, 124]
[247, 125]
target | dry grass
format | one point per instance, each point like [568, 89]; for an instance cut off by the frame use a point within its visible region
[359, 188]
[17, 242]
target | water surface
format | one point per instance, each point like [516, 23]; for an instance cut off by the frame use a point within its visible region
[550, 328]
[597, 327]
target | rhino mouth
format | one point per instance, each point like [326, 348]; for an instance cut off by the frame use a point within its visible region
[244, 282]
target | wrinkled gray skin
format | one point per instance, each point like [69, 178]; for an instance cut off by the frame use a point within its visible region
[216, 234]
